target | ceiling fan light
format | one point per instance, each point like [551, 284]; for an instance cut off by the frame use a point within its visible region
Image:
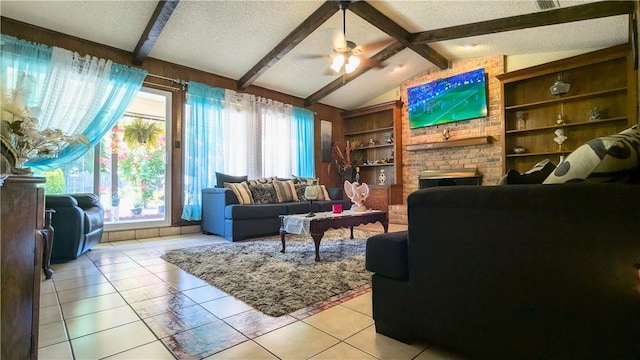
[352, 64]
[338, 61]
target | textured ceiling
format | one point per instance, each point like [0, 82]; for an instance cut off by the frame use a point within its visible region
[229, 37]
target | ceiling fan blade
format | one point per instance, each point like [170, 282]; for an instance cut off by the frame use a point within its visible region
[371, 63]
[311, 56]
[371, 46]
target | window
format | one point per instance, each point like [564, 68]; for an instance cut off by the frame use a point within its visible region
[132, 163]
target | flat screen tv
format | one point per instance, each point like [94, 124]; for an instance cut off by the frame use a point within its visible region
[456, 98]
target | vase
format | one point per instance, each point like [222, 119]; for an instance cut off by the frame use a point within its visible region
[347, 175]
[382, 177]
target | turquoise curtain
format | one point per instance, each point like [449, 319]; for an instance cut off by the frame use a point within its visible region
[302, 142]
[79, 95]
[203, 141]
[23, 65]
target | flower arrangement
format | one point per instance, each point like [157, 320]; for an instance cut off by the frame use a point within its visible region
[23, 139]
[341, 159]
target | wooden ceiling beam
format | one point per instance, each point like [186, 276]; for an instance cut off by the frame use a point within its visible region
[384, 23]
[379, 57]
[151, 33]
[542, 18]
[310, 24]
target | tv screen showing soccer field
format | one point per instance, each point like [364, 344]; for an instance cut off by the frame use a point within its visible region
[457, 98]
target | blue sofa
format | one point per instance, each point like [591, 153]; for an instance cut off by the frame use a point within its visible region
[223, 215]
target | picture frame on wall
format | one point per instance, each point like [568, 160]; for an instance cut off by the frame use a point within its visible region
[325, 140]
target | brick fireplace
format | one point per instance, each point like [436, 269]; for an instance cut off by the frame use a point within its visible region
[473, 145]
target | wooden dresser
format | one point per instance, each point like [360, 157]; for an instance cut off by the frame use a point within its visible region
[22, 206]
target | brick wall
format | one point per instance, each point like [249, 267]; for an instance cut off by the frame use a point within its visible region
[487, 158]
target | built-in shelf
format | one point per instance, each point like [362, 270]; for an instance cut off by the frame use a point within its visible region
[566, 98]
[563, 152]
[478, 140]
[389, 128]
[592, 122]
[374, 165]
[373, 147]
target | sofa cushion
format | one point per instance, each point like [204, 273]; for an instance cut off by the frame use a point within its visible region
[304, 181]
[386, 255]
[259, 181]
[285, 191]
[263, 194]
[322, 192]
[536, 175]
[224, 178]
[242, 192]
[612, 158]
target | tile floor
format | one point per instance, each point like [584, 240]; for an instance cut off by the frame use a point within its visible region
[122, 301]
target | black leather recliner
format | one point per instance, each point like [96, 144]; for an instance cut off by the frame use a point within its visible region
[78, 223]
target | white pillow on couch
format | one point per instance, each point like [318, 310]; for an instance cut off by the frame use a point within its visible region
[612, 158]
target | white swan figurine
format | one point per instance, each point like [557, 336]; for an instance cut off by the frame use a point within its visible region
[358, 193]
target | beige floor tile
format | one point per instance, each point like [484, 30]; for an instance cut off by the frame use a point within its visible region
[128, 273]
[47, 287]
[204, 293]
[48, 299]
[181, 279]
[112, 341]
[91, 305]
[161, 268]
[58, 351]
[119, 267]
[151, 261]
[85, 292]
[121, 235]
[339, 321]
[79, 282]
[296, 341]
[437, 353]
[246, 350]
[362, 304]
[51, 334]
[156, 351]
[50, 314]
[147, 233]
[169, 231]
[225, 307]
[79, 263]
[76, 273]
[343, 351]
[383, 347]
[98, 321]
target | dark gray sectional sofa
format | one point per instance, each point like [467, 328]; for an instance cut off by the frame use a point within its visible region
[223, 215]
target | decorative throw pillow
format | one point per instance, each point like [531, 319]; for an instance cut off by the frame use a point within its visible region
[267, 180]
[241, 190]
[263, 194]
[285, 191]
[612, 158]
[322, 192]
[536, 175]
[224, 178]
[304, 181]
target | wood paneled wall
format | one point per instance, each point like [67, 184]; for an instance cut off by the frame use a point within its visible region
[158, 67]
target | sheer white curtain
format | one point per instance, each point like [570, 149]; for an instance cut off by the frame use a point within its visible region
[74, 92]
[257, 136]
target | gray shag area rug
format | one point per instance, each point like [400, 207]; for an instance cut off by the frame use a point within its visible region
[256, 272]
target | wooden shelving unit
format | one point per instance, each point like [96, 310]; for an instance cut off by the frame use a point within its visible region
[604, 79]
[381, 124]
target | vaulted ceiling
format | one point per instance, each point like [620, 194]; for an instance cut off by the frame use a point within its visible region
[277, 44]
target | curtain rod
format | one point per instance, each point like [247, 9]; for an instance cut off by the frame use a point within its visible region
[175, 81]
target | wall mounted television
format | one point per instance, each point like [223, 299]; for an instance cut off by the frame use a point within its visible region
[456, 98]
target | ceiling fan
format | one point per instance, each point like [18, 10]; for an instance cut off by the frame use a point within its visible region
[347, 56]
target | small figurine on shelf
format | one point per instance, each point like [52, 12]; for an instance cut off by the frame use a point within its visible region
[594, 113]
[382, 177]
[561, 119]
[358, 174]
[560, 138]
[389, 138]
[371, 142]
[521, 117]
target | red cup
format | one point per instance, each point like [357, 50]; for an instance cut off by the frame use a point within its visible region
[337, 208]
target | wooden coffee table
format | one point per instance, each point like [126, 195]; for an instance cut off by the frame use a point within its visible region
[324, 221]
